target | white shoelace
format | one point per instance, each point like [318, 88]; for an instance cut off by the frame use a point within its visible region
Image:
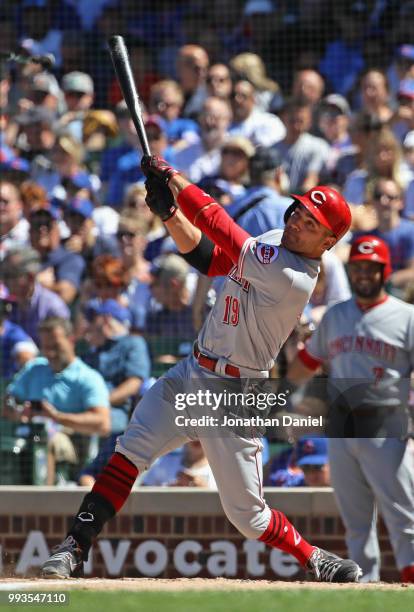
[65, 550]
[329, 569]
[324, 568]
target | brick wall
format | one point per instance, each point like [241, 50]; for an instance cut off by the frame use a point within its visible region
[169, 533]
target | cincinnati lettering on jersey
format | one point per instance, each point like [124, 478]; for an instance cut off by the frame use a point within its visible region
[244, 284]
[362, 344]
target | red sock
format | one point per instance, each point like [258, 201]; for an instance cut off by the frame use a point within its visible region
[280, 533]
[407, 574]
[116, 480]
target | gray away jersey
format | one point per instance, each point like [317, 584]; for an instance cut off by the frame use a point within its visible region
[375, 346]
[260, 303]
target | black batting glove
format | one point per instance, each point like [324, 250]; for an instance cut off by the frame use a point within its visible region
[159, 198]
[152, 165]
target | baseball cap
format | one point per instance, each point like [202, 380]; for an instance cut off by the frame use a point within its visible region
[80, 180]
[311, 451]
[44, 214]
[167, 267]
[155, 121]
[241, 143]
[406, 52]
[110, 308]
[265, 159]
[408, 142]
[21, 261]
[215, 186]
[81, 206]
[254, 7]
[337, 101]
[77, 81]
[46, 83]
[406, 89]
[36, 114]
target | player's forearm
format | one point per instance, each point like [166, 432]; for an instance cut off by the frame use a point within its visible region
[185, 235]
[203, 212]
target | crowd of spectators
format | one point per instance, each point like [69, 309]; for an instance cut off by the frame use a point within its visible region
[252, 101]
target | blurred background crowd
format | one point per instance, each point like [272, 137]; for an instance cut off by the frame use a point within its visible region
[251, 100]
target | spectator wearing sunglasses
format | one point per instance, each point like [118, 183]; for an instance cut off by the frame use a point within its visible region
[61, 269]
[387, 199]
[122, 359]
[127, 170]
[31, 301]
[132, 241]
[260, 127]
[192, 66]
[45, 92]
[166, 101]
[219, 83]
[84, 238]
[78, 90]
[334, 119]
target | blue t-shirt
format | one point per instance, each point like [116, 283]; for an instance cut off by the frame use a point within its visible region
[341, 65]
[400, 240]
[126, 172]
[67, 266]
[179, 128]
[110, 159]
[73, 390]
[267, 214]
[12, 335]
[119, 359]
[42, 304]
[171, 324]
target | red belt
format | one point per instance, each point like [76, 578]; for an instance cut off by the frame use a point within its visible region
[210, 364]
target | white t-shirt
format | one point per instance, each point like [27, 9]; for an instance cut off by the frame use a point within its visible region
[263, 129]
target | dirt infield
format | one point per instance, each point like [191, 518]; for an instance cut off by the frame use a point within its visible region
[184, 584]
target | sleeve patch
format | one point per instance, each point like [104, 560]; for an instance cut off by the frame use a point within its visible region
[266, 253]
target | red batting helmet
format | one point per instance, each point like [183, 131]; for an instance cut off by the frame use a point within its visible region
[371, 248]
[327, 206]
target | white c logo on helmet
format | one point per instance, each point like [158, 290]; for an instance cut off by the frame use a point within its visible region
[318, 197]
[367, 248]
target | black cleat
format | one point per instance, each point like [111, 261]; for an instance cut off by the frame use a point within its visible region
[65, 562]
[327, 567]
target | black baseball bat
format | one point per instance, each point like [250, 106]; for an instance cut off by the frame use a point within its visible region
[122, 66]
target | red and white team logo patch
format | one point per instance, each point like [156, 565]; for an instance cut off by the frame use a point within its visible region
[266, 253]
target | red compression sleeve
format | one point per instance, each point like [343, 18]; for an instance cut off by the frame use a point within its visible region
[220, 264]
[213, 221]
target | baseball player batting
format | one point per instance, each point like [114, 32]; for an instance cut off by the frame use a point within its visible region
[369, 339]
[269, 281]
